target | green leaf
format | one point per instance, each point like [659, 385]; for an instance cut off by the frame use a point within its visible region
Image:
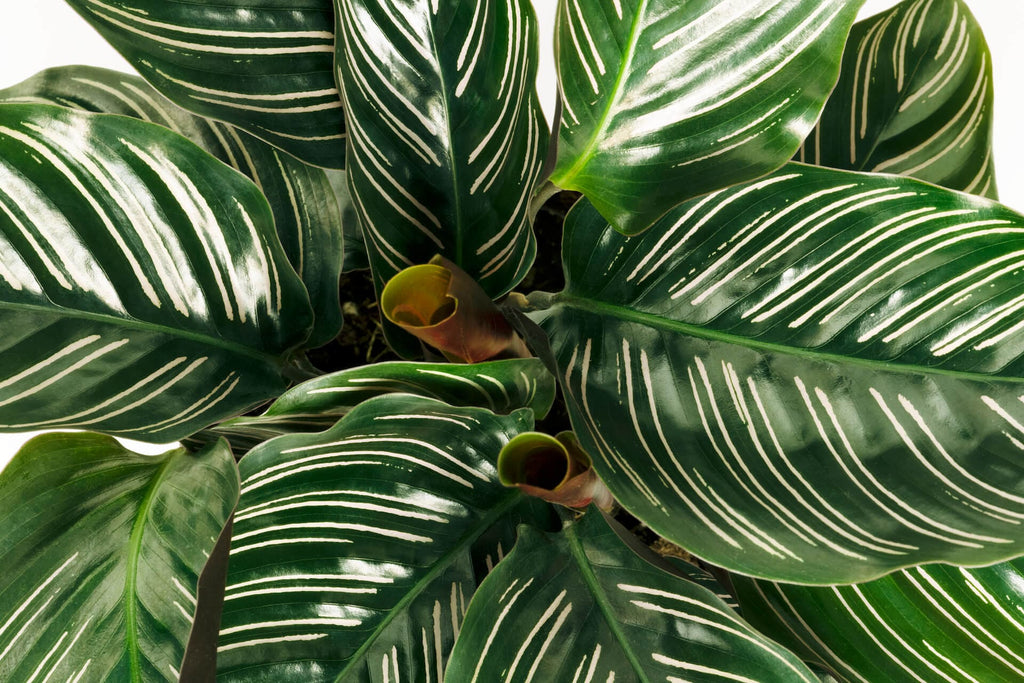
[142, 289]
[352, 549]
[102, 552]
[447, 134]
[266, 67]
[580, 605]
[356, 257]
[308, 223]
[501, 386]
[814, 377]
[666, 100]
[928, 623]
[914, 98]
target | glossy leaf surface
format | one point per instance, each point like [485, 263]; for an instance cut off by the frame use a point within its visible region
[500, 386]
[928, 623]
[355, 246]
[447, 134]
[352, 551]
[102, 550]
[142, 288]
[666, 100]
[914, 98]
[308, 223]
[265, 66]
[580, 605]
[814, 377]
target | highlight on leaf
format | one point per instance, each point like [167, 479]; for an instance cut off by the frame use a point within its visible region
[552, 468]
[442, 305]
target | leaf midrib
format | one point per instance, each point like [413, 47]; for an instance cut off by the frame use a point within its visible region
[601, 600]
[564, 180]
[130, 595]
[468, 538]
[659, 323]
[141, 325]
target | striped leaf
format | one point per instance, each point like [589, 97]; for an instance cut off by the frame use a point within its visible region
[266, 66]
[914, 98]
[308, 223]
[929, 623]
[447, 134]
[581, 606]
[500, 386]
[102, 552]
[142, 289]
[352, 552]
[814, 377]
[666, 100]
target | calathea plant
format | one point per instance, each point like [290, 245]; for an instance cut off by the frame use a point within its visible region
[789, 343]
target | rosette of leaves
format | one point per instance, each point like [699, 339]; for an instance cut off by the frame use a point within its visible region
[789, 345]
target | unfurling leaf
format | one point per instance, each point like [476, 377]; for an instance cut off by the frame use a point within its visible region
[442, 305]
[552, 468]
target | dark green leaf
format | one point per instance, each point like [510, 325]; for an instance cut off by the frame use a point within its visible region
[500, 386]
[266, 66]
[356, 257]
[353, 549]
[927, 623]
[580, 605]
[308, 223]
[142, 288]
[666, 100]
[914, 98]
[447, 136]
[814, 377]
[102, 552]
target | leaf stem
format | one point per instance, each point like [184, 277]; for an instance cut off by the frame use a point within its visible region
[299, 369]
[541, 196]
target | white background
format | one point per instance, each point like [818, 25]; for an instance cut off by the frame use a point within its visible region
[36, 34]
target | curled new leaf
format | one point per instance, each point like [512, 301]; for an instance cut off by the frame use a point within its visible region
[442, 305]
[553, 468]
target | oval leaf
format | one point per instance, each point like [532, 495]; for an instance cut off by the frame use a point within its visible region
[308, 223]
[352, 549]
[447, 134]
[928, 623]
[142, 288]
[665, 100]
[815, 377]
[103, 549]
[914, 98]
[266, 67]
[580, 605]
